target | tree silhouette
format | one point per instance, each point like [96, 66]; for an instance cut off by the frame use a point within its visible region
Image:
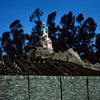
[78, 31]
[98, 47]
[18, 38]
[80, 18]
[36, 30]
[53, 31]
[6, 44]
[67, 36]
[1, 51]
[13, 42]
[86, 36]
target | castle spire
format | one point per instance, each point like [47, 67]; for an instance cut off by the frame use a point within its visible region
[47, 43]
[44, 32]
[43, 23]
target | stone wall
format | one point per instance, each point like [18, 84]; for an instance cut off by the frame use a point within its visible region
[74, 88]
[49, 88]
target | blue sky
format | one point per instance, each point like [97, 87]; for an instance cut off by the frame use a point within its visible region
[11, 10]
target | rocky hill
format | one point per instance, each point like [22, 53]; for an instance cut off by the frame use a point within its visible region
[42, 61]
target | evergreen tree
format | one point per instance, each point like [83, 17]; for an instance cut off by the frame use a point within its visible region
[53, 31]
[67, 37]
[13, 42]
[36, 30]
[98, 47]
[86, 37]
[78, 30]
[1, 51]
[18, 38]
[6, 44]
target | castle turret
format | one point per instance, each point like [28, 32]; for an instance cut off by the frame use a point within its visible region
[47, 43]
[44, 32]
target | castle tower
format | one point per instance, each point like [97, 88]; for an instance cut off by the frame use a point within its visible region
[47, 43]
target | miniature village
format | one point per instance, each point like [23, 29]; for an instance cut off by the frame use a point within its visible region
[44, 61]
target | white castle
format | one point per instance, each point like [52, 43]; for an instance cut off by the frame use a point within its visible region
[45, 40]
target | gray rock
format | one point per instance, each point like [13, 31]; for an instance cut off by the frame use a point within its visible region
[70, 55]
[40, 53]
[73, 57]
[89, 65]
[96, 66]
[59, 56]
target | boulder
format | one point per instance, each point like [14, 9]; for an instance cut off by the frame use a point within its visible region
[73, 57]
[40, 53]
[96, 66]
[59, 56]
[45, 53]
[87, 63]
[70, 55]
